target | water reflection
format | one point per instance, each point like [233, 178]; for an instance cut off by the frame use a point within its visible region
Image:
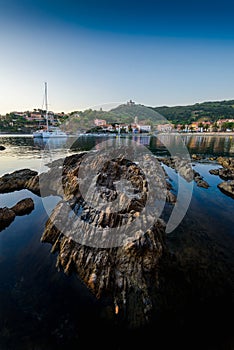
[57, 143]
[30, 147]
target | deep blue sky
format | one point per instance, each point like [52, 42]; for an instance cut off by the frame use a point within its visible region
[97, 52]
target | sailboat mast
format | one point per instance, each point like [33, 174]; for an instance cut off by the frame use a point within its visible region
[46, 105]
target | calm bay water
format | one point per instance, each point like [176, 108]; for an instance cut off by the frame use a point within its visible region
[41, 307]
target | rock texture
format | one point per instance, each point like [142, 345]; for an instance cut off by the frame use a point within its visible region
[124, 274]
[25, 206]
[227, 187]
[184, 168]
[7, 215]
[226, 173]
[16, 181]
[227, 170]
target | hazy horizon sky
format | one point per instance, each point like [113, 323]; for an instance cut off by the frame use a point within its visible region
[101, 53]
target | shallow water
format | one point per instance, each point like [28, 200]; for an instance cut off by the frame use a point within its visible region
[41, 307]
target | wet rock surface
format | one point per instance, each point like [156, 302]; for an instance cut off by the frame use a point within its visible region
[227, 187]
[184, 168]
[200, 181]
[2, 148]
[25, 206]
[227, 170]
[226, 173]
[7, 215]
[16, 181]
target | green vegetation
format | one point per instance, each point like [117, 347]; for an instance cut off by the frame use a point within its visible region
[126, 114]
[205, 111]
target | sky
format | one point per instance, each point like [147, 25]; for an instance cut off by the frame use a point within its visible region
[102, 53]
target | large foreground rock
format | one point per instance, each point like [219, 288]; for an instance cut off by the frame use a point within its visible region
[125, 274]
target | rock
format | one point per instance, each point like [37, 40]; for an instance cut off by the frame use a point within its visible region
[223, 173]
[171, 197]
[226, 162]
[227, 187]
[25, 206]
[2, 148]
[16, 181]
[214, 171]
[200, 181]
[182, 166]
[6, 217]
[197, 157]
[124, 274]
[227, 170]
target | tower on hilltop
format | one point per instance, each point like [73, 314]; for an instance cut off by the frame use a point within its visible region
[130, 103]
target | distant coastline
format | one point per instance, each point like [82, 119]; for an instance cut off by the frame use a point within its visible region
[224, 133]
[220, 133]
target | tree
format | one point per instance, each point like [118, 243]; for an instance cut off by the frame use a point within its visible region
[200, 125]
[206, 127]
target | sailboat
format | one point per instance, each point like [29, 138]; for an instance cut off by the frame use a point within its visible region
[50, 131]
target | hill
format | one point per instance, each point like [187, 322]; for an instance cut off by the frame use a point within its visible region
[205, 111]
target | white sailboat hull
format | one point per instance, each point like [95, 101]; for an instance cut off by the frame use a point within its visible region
[54, 133]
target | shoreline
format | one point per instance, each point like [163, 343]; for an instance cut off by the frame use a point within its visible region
[231, 133]
[227, 133]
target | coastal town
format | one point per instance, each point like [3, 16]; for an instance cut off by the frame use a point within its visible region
[128, 118]
[27, 122]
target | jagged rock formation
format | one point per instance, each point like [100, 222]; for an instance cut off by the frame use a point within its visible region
[125, 268]
[125, 274]
[128, 265]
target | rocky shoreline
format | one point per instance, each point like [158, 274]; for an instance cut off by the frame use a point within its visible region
[141, 276]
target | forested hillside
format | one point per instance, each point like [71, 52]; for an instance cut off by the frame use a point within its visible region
[200, 111]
